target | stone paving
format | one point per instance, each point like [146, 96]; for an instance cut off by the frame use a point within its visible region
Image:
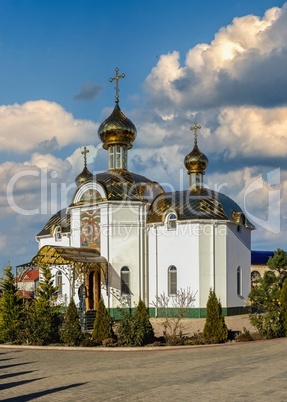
[254, 371]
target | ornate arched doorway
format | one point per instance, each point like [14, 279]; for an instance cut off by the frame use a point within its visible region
[78, 265]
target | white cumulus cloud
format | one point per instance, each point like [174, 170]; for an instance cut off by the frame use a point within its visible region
[41, 125]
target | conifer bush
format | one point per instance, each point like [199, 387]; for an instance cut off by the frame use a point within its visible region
[215, 329]
[135, 330]
[103, 323]
[268, 298]
[283, 308]
[43, 318]
[72, 333]
[11, 309]
[143, 330]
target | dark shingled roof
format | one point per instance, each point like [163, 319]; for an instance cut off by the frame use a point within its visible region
[199, 204]
[125, 185]
[61, 218]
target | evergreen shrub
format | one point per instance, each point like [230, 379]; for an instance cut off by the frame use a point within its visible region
[72, 334]
[215, 329]
[11, 309]
[103, 325]
[43, 320]
[135, 330]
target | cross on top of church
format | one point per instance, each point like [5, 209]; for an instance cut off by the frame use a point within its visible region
[85, 152]
[116, 78]
[194, 128]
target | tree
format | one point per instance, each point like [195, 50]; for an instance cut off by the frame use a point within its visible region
[72, 334]
[278, 265]
[135, 330]
[172, 323]
[44, 319]
[283, 308]
[143, 330]
[103, 323]
[11, 308]
[265, 297]
[215, 329]
[46, 289]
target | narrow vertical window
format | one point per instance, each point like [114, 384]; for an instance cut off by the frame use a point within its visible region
[239, 281]
[125, 158]
[59, 282]
[111, 157]
[172, 280]
[118, 157]
[125, 281]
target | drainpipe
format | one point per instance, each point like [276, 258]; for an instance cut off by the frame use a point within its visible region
[156, 271]
[213, 255]
[140, 252]
[108, 255]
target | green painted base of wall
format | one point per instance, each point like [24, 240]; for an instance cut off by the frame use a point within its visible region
[173, 312]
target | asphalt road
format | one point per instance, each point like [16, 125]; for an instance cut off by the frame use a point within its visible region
[255, 371]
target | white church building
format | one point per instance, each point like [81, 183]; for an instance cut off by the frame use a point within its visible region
[124, 238]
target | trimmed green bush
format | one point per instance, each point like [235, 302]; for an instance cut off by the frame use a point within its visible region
[135, 330]
[143, 330]
[215, 329]
[72, 334]
[103, 323]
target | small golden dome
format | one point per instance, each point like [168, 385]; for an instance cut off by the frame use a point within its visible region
[196, 161]
[83, 177]
[117, 129]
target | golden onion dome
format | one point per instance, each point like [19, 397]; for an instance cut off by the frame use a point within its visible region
[83, 177]
[85, 174]
[117, 129]
[196, 161]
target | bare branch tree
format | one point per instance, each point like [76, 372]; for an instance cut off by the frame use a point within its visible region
[174, 309]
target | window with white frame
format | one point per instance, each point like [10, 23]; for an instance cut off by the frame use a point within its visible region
[59, 282]
[111, 157]
[239, 281]
[171, 219]
[58, 233]
[125, 281]
[172, 280]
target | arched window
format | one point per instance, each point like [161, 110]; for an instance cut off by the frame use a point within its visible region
[125, 281]
[171, 221]
[172, 280]
[239, 281]
[255, 276]
[59, 282]
[58, 233]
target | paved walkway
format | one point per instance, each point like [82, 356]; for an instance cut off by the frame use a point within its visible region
[254, 371]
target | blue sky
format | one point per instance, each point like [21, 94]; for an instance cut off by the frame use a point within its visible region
[222, 63]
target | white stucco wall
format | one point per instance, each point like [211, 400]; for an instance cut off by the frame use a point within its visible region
[238, 254]
[176, 247]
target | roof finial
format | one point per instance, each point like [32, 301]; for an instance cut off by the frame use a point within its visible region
[194, 128]
[85, 152]
[116, 78]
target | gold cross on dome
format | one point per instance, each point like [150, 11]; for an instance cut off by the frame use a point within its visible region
[194, 128]
[85, 152]
[116, 78]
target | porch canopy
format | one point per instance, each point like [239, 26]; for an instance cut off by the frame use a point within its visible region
[82, 259]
